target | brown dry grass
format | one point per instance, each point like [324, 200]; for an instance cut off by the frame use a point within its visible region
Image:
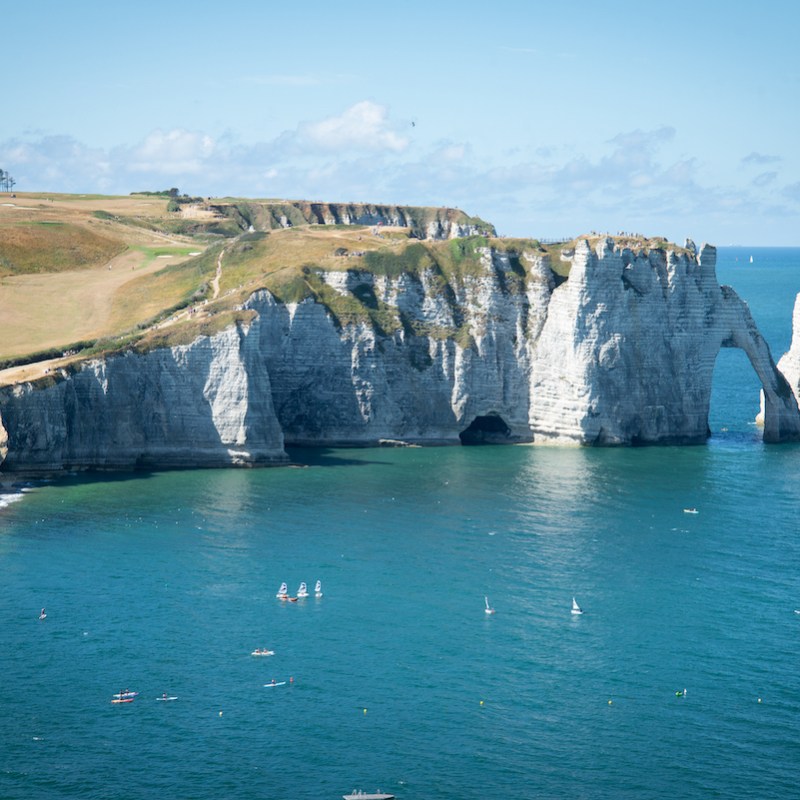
[81, 301]
[35, 247]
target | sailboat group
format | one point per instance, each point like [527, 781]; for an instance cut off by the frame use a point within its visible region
[302, 592]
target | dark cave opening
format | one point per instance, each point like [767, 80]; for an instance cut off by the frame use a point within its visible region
[489, 429]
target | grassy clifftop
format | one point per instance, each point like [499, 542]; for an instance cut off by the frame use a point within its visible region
[93, 274]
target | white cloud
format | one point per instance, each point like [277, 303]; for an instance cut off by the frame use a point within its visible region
[59, 163]
[364, 127]
[170, 152]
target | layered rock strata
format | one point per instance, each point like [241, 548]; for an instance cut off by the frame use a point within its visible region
[206, 404]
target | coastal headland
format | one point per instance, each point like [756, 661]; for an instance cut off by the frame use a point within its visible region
[155, 331]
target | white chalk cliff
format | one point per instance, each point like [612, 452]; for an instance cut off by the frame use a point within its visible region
[789, 364]
[622, 352]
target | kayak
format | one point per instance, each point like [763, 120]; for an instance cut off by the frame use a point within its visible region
[263, 653]
[166, 698]
[279, 683]
[123, 700]
[126, 694]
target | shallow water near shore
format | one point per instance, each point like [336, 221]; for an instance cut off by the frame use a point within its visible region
[166, 582]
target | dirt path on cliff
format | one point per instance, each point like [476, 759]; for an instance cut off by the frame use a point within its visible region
[215, 281]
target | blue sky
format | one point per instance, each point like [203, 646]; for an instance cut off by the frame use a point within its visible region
[547, 119]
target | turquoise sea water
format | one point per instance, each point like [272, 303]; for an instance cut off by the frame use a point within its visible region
[166, 583]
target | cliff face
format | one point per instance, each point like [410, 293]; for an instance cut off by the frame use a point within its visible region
[457, 352]
[789, 364]
[425, 223]
[622, 352]
[207, 404]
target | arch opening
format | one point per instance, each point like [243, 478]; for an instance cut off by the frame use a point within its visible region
[734, 399]
[488, 429]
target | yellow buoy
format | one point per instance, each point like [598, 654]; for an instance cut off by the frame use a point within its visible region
[365, 710]
[610, 702]
[481, 702]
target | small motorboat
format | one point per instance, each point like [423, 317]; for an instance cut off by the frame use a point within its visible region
[318, 589]
[125, 696]
[303, 590]
[359, 795]
[690, 511]
[265, 652]
[488, 609]
[576, 609]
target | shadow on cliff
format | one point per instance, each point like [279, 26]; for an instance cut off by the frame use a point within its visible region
[326, 457]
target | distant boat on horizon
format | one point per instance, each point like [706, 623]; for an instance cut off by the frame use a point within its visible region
[751, 259]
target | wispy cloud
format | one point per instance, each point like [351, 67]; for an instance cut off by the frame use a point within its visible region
[760, 158]
[792, 191]
[764, 178]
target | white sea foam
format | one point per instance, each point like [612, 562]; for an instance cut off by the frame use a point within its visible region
[6, 499]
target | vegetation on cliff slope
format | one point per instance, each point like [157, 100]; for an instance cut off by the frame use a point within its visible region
[90, 274]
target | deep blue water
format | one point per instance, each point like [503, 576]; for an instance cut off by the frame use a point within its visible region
[166, 582]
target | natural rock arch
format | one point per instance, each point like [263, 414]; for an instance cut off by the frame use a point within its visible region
[780, 416]
[627, 353]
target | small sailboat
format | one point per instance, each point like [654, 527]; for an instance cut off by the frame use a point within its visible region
[42, 614]
[751, 259]
[318, 589]
[576, 609]
[488, 609]
[303, 590]
[283, 592]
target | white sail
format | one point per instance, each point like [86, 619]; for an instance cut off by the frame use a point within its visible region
[576, 609]
[283, 591]
[303, 590]
[318, 589]
[488, 609]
